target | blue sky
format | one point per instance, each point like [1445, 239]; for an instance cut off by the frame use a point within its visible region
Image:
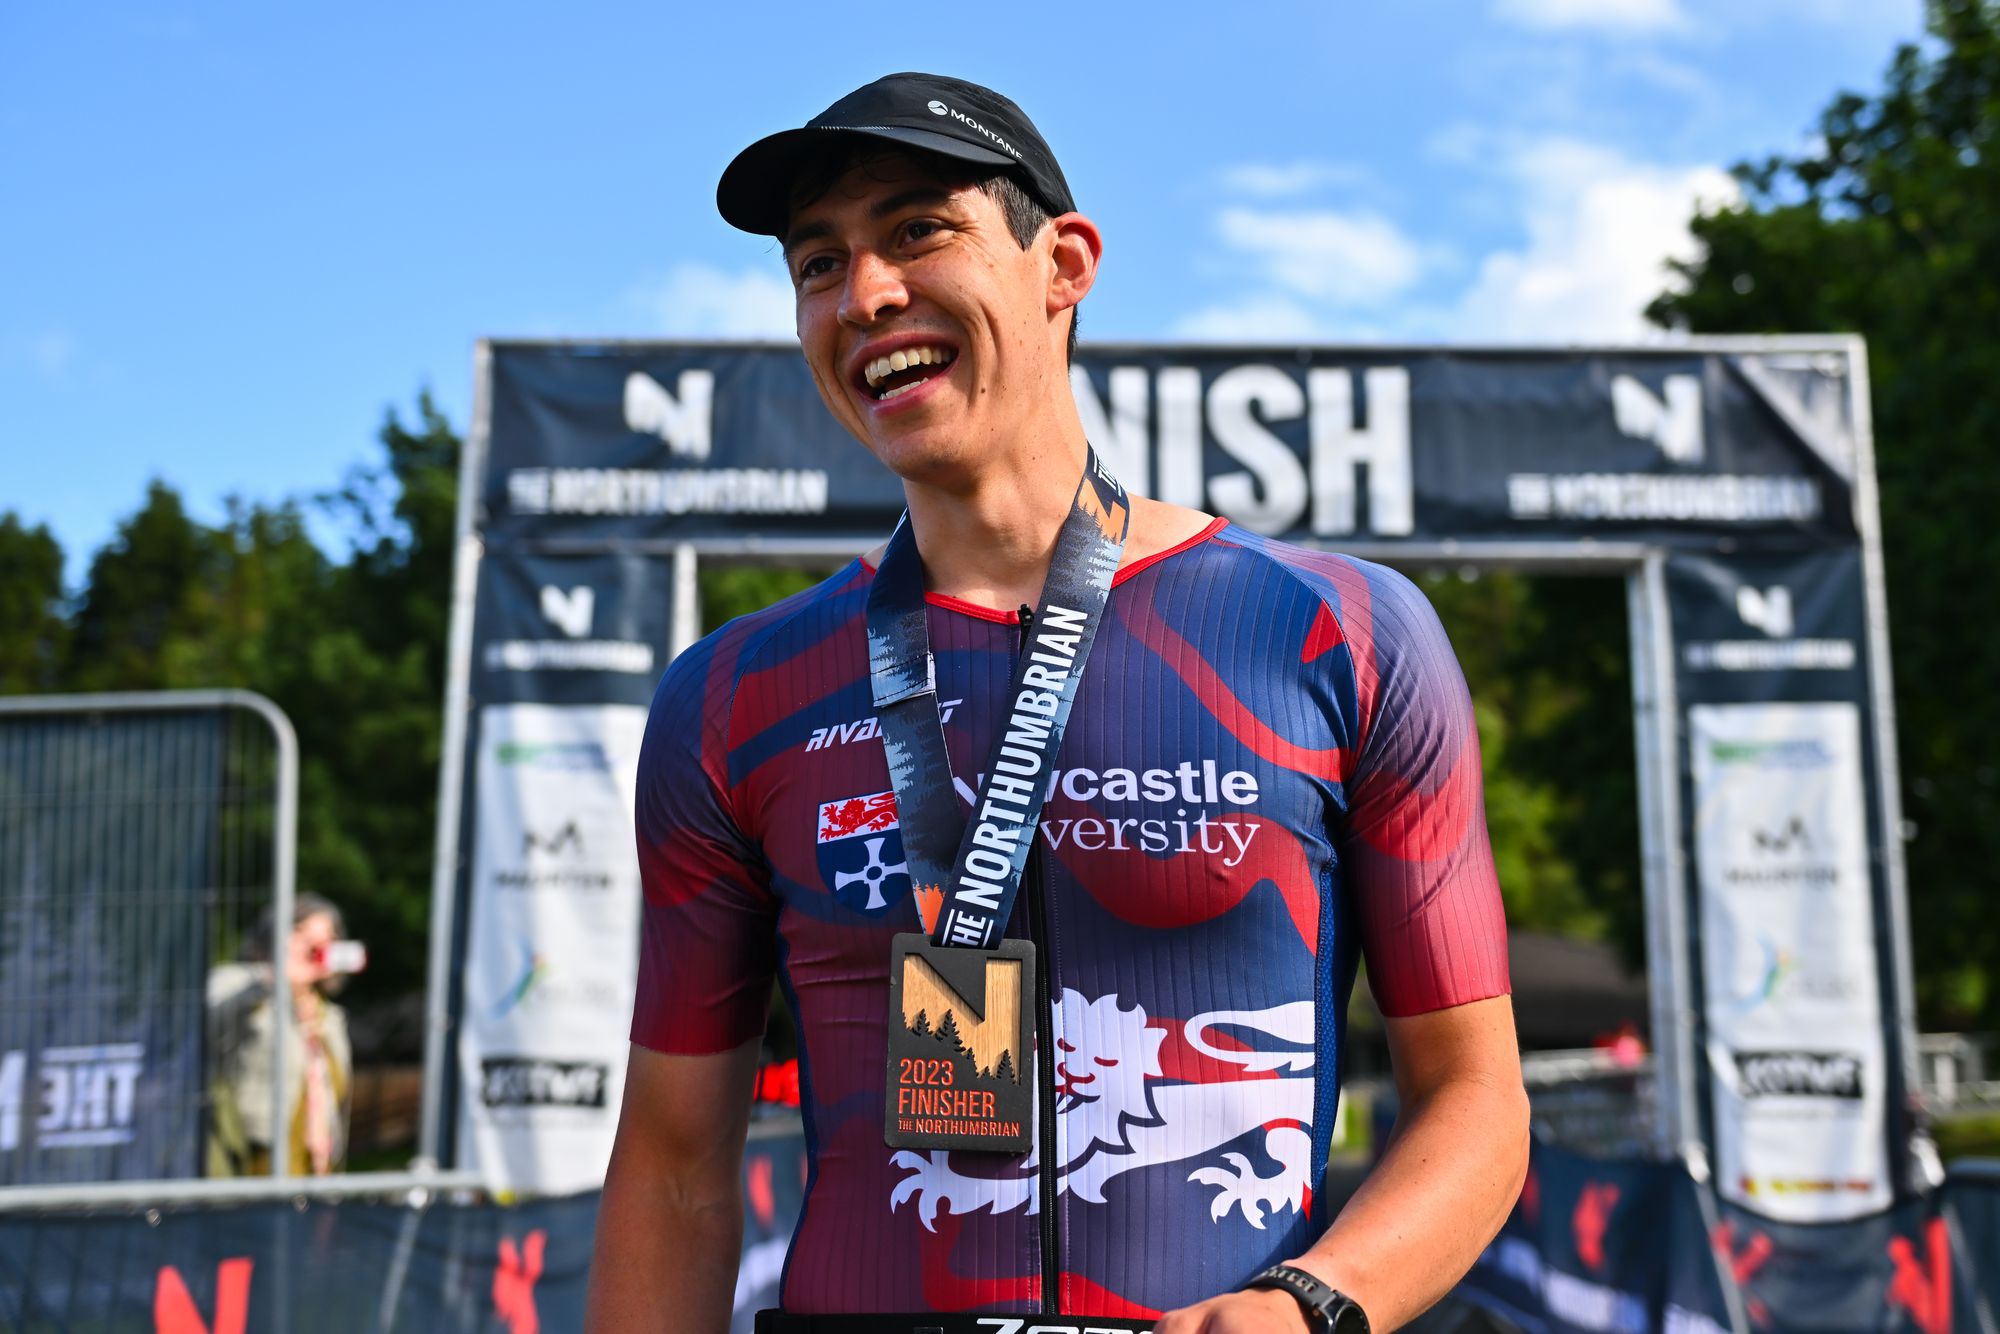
[234, 235]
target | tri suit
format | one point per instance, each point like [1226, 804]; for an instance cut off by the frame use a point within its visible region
[1271, 771]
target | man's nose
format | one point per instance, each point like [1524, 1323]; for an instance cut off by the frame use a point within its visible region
[874, 289]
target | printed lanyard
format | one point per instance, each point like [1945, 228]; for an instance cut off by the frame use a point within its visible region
[979, 882]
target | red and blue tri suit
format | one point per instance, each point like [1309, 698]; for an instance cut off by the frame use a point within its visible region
[1271, 771]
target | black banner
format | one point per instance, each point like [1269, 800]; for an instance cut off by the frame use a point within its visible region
[571, 629]
[659, 441]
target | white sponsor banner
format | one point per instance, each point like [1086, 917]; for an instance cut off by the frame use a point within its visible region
[1795, 1043]
[553, 943]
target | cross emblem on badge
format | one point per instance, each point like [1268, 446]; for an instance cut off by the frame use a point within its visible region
[873, 874]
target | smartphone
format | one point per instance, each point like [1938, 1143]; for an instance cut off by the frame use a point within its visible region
[344, 956]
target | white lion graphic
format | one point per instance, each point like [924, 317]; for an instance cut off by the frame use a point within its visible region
[1111, 1117]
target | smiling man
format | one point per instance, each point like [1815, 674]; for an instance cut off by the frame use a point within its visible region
[1069, 932]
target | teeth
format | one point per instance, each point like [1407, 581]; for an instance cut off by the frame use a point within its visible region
[903, 389]
[882, 367]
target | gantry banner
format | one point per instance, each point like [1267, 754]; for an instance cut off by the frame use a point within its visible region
[1731, 482]
[595, 443]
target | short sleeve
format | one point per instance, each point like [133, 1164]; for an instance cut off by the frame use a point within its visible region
[1419, 864]
[707, 947]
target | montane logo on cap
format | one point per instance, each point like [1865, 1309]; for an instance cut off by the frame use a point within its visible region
[940, 109]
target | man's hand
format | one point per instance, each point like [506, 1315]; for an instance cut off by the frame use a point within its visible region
[1266, 1311]
[1451, 1173]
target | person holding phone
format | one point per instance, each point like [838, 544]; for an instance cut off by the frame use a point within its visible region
[319, 1061]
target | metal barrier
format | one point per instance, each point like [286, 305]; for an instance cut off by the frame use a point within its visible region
[144, 838]
[1589, 1101]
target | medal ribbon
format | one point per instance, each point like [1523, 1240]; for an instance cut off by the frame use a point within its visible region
[980, 881]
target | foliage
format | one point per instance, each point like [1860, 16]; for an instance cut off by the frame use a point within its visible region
[352, 650]
[34, 633]
[731, 591]
[1887, 227]
[1970, 1136]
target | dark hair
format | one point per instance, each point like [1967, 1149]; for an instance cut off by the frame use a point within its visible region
[1025, 214]
[256, 947]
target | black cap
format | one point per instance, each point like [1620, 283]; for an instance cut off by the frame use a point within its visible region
[946, 116]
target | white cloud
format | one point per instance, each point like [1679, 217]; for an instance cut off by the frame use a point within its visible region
[702, 301]
[1359, 259]
[1259, 318]
[1609, 15]
[1282, 180]
[1600, 228]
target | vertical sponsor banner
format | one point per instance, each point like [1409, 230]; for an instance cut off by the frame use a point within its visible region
[552, 942]
[1786, 836]
[566, 653]
[1797, 1065]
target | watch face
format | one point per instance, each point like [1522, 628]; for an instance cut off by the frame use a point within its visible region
[1348, 1317]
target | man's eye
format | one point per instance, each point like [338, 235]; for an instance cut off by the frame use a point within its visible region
[815, 267]
[919, 229]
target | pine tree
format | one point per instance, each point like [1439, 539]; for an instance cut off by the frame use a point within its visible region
[922, 1028]
[947, 1032]
[1005, 1070]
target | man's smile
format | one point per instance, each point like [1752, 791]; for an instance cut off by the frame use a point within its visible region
[884, 373]
[887, 369]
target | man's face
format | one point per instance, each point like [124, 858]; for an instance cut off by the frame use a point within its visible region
[892, 266]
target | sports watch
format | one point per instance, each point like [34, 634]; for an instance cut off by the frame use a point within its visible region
[1328, 1310]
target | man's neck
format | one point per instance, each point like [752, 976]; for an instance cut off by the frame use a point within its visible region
[991, 542]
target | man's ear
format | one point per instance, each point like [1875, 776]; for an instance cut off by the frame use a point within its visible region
[1076, 247]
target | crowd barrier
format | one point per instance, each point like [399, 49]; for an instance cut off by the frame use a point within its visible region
[1623, 1246]
[1595, 1245]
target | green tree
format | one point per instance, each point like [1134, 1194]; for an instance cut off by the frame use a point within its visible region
[370, 698]
[353, 651]
[731, 591]
[34, 631]
[138, 597]
[1888, 227]
[172, 603]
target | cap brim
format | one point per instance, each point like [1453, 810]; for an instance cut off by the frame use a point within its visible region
[755, 191]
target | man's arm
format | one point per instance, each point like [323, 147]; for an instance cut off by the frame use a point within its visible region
[1452, 1172]
[670, 1227]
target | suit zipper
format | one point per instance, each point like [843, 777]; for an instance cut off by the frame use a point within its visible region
[1045, 1080]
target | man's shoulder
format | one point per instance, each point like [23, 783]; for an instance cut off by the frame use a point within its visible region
[790, 625]
[1356, 592]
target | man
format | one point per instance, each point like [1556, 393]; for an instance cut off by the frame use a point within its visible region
[1269, 767]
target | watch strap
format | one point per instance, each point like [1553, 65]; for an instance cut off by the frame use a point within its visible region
[1328, 1310]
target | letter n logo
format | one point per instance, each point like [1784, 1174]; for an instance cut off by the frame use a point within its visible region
[985, 1026]
[174, 1311]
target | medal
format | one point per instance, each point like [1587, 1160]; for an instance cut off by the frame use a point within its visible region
[961, 1010]
[961, 1046]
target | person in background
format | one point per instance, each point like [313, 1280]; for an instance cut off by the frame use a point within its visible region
[319, 1063]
